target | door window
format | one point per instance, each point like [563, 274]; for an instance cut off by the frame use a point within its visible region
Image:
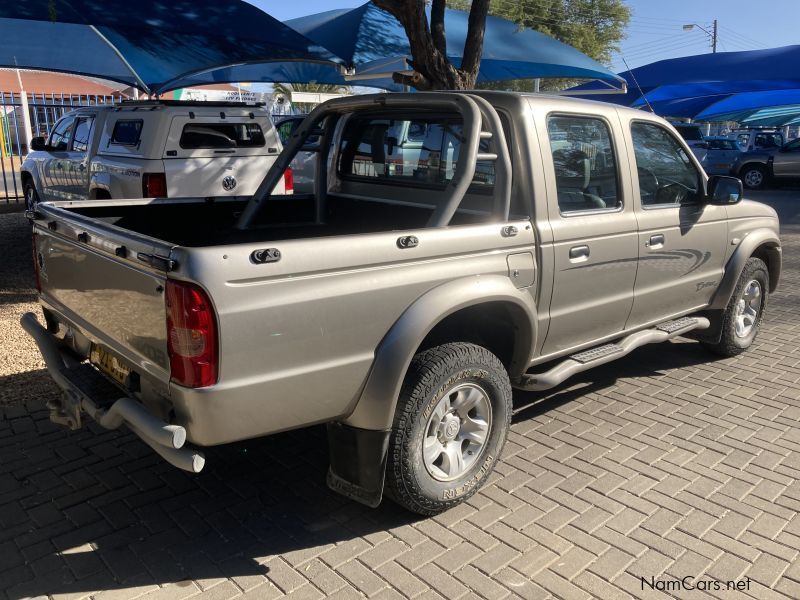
[667, 176]
[793, 146]
[584, 162]
[80, 139]
[62, 132]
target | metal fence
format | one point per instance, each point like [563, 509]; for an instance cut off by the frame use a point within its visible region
[17, 129]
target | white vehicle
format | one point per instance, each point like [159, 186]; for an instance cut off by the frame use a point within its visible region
[154, 148]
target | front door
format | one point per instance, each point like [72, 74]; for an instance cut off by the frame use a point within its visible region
[53, 175]
[76, 177]
[594, 232]
[786, 162]
[682, 239]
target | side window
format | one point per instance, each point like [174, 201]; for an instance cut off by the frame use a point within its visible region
[793, 146]
[126, 132]
[667, 176]
[62, 132]
[585, 165]
[83, 129]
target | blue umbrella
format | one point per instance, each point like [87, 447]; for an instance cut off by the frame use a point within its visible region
[364, 35]
[149, 44]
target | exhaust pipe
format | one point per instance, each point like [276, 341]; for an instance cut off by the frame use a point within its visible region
[167, 440]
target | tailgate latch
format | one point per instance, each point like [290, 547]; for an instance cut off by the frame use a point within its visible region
[163, 263]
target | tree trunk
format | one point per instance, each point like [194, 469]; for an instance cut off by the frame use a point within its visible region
[433, 70]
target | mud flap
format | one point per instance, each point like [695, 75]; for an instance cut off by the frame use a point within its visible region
[357, 462]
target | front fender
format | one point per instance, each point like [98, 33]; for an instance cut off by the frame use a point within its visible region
[750, 243]
[376, 405]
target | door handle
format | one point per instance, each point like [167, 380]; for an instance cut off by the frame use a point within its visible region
[656, 241]
[579, 252]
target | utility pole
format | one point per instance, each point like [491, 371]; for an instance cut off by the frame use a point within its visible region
[712, 34]
[714, 38]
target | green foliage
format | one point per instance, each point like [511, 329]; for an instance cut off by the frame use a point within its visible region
[595, 27]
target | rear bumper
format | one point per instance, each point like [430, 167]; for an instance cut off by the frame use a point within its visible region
[86, 390]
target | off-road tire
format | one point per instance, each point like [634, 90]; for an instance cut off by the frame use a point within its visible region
[432, 373]
[31, 195]
[730, 344]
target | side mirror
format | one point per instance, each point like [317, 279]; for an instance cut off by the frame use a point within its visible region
[724, 190]
[38, 143]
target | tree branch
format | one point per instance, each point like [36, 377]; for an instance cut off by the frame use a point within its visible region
[473, 48]
[437, 26]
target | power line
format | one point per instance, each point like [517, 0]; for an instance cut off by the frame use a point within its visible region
[657, 48]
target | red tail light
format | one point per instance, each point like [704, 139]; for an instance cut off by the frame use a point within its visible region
[191, 335]
[288, 181]
[154, 185]
[36, 265]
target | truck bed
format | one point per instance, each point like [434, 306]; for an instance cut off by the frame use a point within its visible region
[210, 222]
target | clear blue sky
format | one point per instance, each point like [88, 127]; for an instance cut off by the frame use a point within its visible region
[655, 31]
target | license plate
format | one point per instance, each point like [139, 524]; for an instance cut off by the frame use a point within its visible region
[109, 364]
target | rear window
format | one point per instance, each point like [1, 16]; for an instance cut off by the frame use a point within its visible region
[691, 134]
[221, 135]
[722, 145]
[127, 132]
[418, 151]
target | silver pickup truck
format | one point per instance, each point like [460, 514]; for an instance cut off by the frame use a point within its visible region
[455, 246]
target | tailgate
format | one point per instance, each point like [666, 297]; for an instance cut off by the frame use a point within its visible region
[192, 177]
[95, 279]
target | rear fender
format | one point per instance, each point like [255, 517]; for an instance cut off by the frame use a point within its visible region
[100, 181]
[359, 444]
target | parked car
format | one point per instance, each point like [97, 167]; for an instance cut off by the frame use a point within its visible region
[752, 139]
[153, 148]
[756, 169]
[720, 155]
[399, 305]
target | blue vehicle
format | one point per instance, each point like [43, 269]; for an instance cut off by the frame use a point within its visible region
[720, 155]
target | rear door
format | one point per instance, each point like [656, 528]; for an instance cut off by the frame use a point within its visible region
[594, 229]
[682, 239]
[210, 156]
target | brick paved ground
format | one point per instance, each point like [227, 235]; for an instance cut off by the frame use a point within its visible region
[668, 463]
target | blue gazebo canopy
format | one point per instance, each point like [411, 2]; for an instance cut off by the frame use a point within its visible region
[756, 86]
[366, 34]
[149, 44]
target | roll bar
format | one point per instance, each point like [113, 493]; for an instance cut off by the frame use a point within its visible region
[480, 121]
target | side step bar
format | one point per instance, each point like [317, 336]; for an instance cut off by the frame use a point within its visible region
[167, 440]
[600, 355]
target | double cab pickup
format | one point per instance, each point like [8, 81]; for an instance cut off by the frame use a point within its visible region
[455, 246]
